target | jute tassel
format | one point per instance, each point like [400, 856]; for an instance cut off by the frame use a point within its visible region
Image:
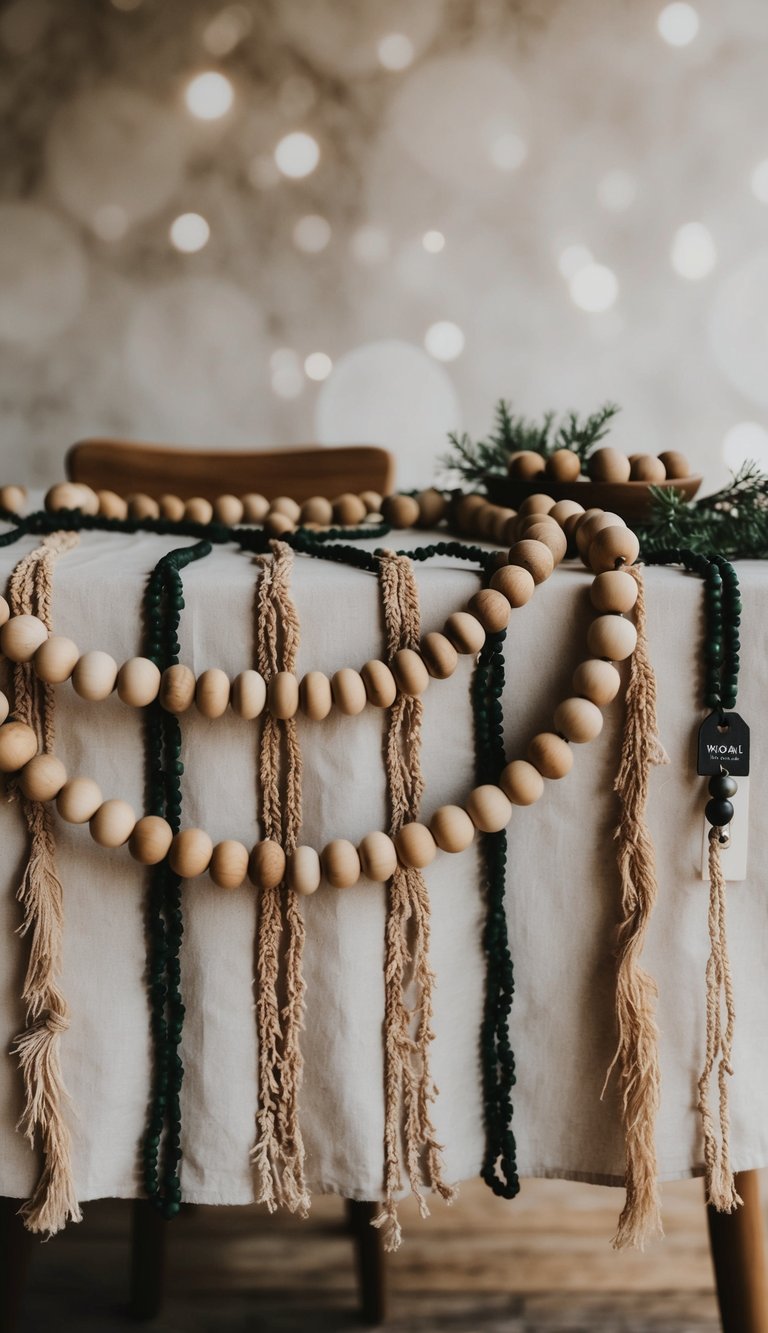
[637, 1055]
[409, 1091]
[278, 1154]
[53, 1201]
[720, 1184]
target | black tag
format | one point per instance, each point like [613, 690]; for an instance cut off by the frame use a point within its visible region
[723, 746]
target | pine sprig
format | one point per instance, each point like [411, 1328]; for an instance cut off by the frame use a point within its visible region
[581, 436]
[475, 460]
[733, 521]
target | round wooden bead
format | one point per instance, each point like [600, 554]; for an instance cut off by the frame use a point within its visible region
[89, 500]
[483, 521]
[249, 694]
[348, 691]
[191, 852]
[452, 828]
[151, 840]
[55, 659]
[5, 611]
[538, 503]
[341, 864]
[277, 524]
[526, 464]
[317, 510]
[255, 507]
[5, 707]
[284, 504]
[514, 583]
[465, 632]
[610, 546]
[614, 591]
[676, 465]
[143, 506]
[212, 692]
[177, 688]
[68, 495]
[491, 608]
[378, 857]
[78, 800]
[228, 509]
[551, 755]
[508, 533]
[112, 824]
[612, 637]
[647, 468]
[198, 510]
[172, 507]
[488, 808]
[572, 521]
[380, 685]
[400, 511]
[18, 744]
[608, 465]
[42, 778]
[283, 695]
[521, 783]
[229, 864]
[112, 505]
[579, 720]
[415, 846]
[503, 519]
[464, 510]
[563, 465]
[597, 680]
[13, 498]
[565, 509]
[304, 871]
[527, 521]
[410, 672]
[94, 675]
[138, 682]
[372, 501]
[432, 507]
[315, 696]
[21, 637]
[266, 866]
[440, 656]
[533, 556]
[590, 525]
[348, 510]
[552, 536]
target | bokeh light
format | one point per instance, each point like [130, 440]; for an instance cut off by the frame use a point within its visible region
[693, 254]
[209, 95]
[572, 258]
[227, 29]
[444, 340]
[678, 24]
[286, 373]
[312, 233]
[318, 366]
[433, 242]
[594, 288]
[395, 51]
[346, 39]
[297, 154]
[189, 232]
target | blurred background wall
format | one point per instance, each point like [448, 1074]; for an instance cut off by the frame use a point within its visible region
[365, 220]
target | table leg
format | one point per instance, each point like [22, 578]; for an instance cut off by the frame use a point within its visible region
[148, 1246]
[16, 1245]
[369, 1259]
[738, 1256]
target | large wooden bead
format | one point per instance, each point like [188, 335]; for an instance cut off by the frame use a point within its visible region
[588, 528]
[491, 608]
[514, 583]
[283, 695]
[198, 510]
[317, 510]
[526, 522]
[647, 468]
[112, 505]
[533, 556]
[67, 495]
[277, 524]
[526, 464]
[521, 783]
[538, 503]
[611, 546]
[410, 672]
[608, 465]
[400, 511]
[432, 506]
[13, 498]
[378, 857]
[112, 824]
[676, 465]
[255, 507]
[18, 744]
[551, 755]
[614, 591]
[597, 680]
[503, 519]
[315, 696]
[304, 871]
[565, 509]
[285, 504]
[348, 510]
[42, 778]
[138, 682]
[89, 500]
[78, 800]
[94, 675]
[440, 656]
[464, 510]
[465, 632]
[177, 688]
[5, 707]
[372, 501]
[266, 866]
[572, 521]
[212, 692]
[488, 808]
[191, 852]
[612, 637]
[380, 685]
[5, 611]
[563, 465]
[55, 659]
[21, 637]
[172, 507]
[348, 691]
[151, 840]
[249, 694]
[415, 846]
[552, 536]
[228, 509]
[341, 863]
[579, 720]
[452, 828]
[141, 507]
[229, 864]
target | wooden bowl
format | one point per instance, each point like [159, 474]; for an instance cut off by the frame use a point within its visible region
[630, 499]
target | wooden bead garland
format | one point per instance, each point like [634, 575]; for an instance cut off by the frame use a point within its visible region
[229, 864]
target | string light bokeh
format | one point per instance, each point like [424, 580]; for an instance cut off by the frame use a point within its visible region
[242, 224]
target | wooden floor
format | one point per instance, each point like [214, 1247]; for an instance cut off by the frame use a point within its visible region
[542, 1264]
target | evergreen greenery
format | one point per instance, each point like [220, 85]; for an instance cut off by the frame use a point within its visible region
[474, 460]
[733, 521]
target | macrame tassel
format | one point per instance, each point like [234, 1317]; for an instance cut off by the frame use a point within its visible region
[637, 1055]
[409, 1091]
[53, 1201]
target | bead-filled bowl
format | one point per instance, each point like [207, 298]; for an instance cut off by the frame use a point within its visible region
[632, 500]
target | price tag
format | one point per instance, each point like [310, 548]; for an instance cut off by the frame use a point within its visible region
[723, 746]
[733, 854]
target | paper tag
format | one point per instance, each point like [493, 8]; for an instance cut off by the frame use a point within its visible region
[723, 746]
[733, 856]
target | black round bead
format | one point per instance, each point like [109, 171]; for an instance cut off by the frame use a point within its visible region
[718, 813]
[723, 786]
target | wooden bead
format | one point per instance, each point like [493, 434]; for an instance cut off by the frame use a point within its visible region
[647, 468]
[348, 510]
[440, 656]
[565, 509]
[380, 685]
[415, 846]
[283, 695]
[533, 556]
[452, 828]
[525, 464]
[465, 632]
[551, 755]
[491, 609]
[612, 637]
[212, 692]
[69, 495]
[539, 503]
[410, 672]
[372, 501]
[198, 510]
[151, 840]
[277, 524]
[177, 688]
[304, 871]
[5, 707]
[508, 533]
[590, 525]
[552, 536]
[486, 521]
[514, 583]
[112, 824]
[315, 696]
[612, 545]
[13, 498]
[94, 676]
[138, 682]
[378, 857]
[42, 778]
[142, 506]
[284, 504]
[229, 864]
[255, 507]
[608, 465]
[21, 637]
[228, 509]
[55, 659]
[521, 783]
[317, 510]
[112, 505]
[563, 465]
[400, 511]
[249, 694]
[579, 720]
[5, 611]
[348, 691]
[89, 500]
[172, 507]
[503, 519]
[597, 680]
[527, 521]
[78, 800]
[266, 866]
[676, 465]
[191, 852]
[341, 864]
[464, 509]
[614, 591]
[571, 521]
[432, 507]
[488, 808]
